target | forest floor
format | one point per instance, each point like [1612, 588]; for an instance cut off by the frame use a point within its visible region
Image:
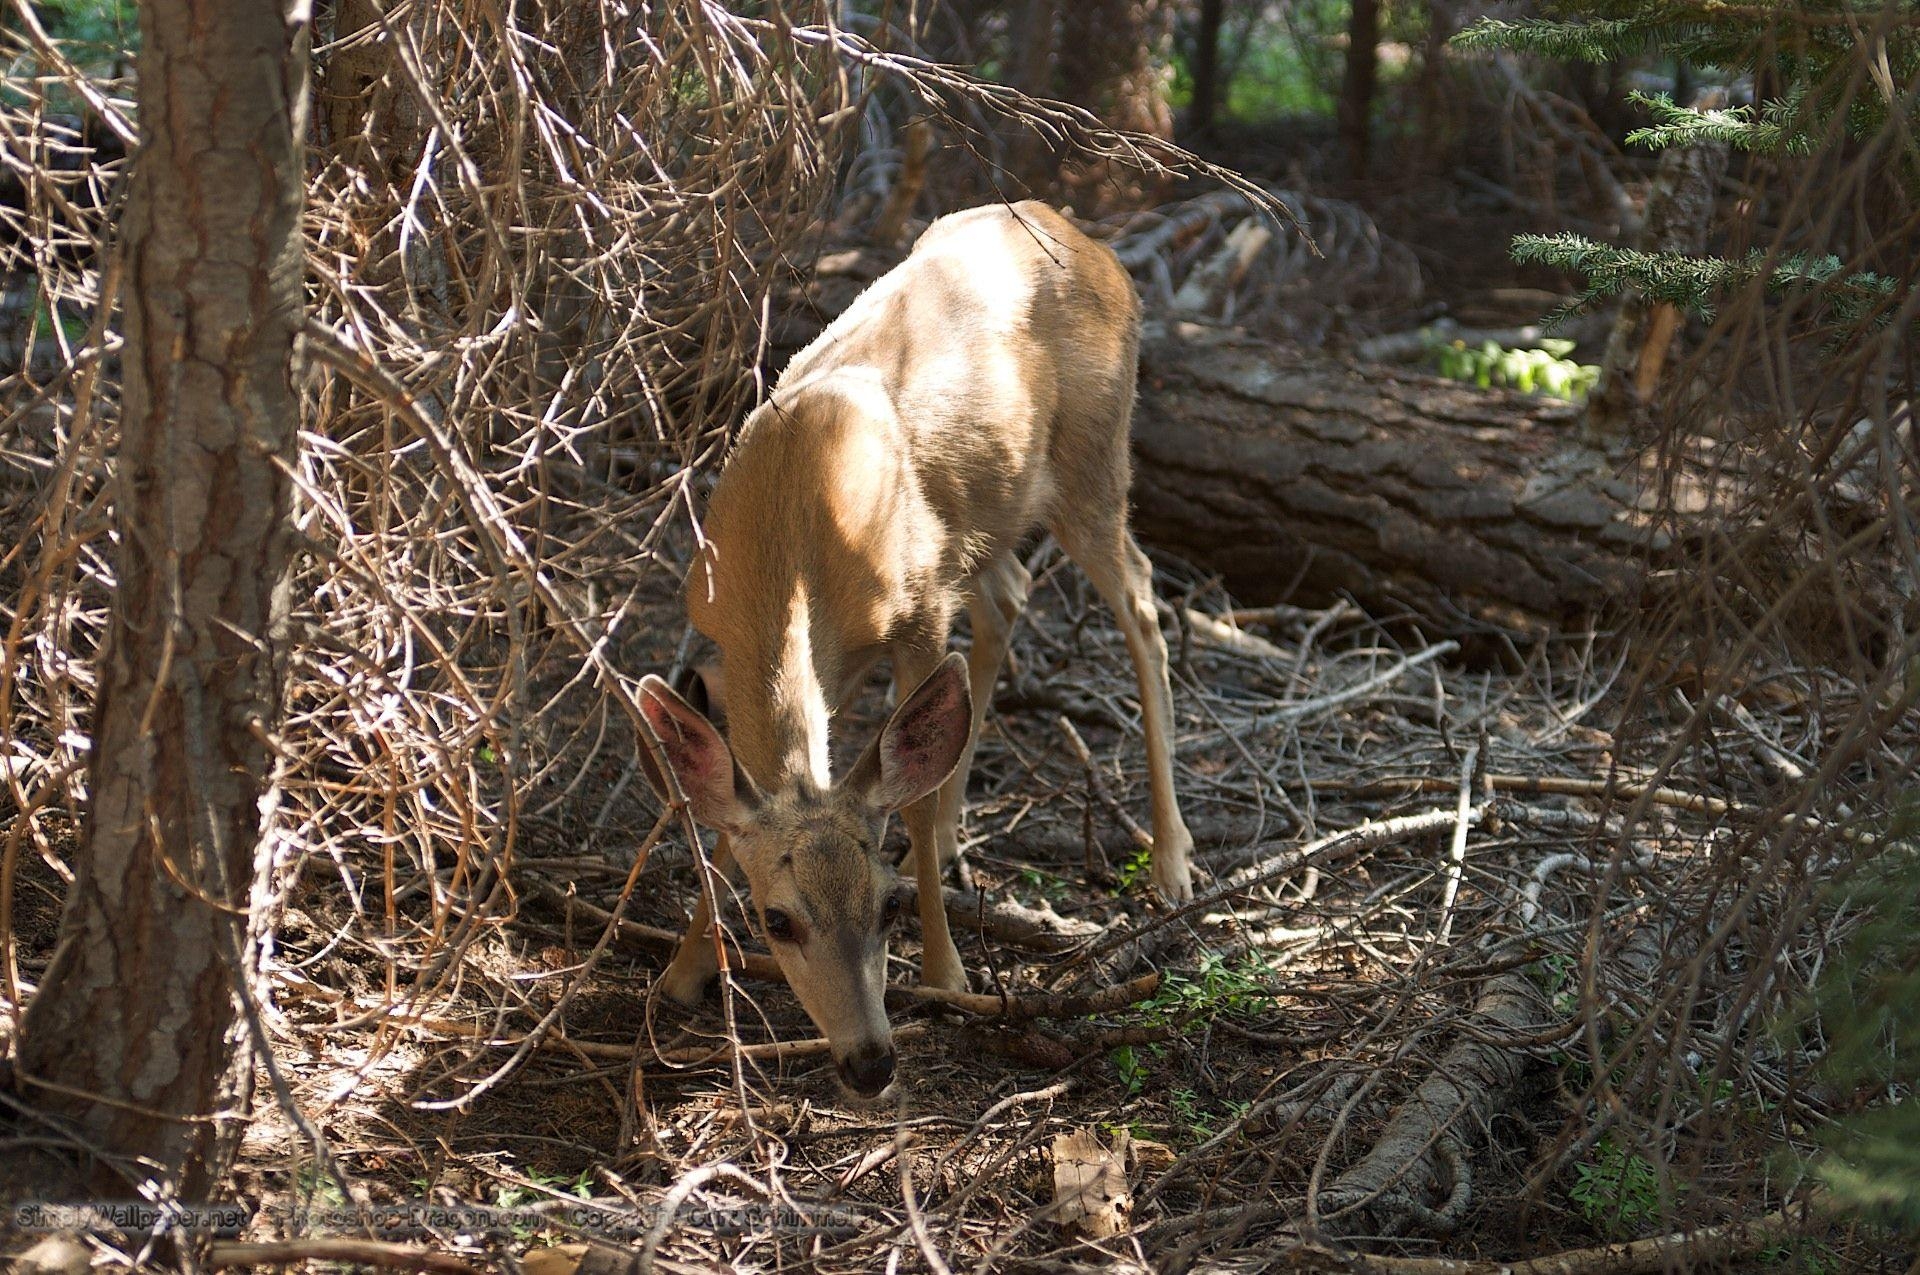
[1295, 1011]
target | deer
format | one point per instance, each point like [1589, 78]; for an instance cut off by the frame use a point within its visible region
[976, 393]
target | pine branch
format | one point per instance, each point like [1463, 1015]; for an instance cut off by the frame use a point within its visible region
[1594, 40]
[1776, 127]
[1697, 283]
[1704, 31]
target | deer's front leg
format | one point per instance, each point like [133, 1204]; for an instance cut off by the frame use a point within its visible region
[694, 963]
[939, 960]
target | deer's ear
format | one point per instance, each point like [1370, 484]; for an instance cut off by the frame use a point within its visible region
[720, 795]
[921, 743]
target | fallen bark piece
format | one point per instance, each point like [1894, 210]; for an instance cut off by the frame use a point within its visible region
[555, 1259]
[54, 1255]
[404, 1257]
[1214, 280]
[1090, 1192]
[1680, 1250]
[1416, 1179]
[1028, 1046]
[1013, 1008]
[1040, 928]
[1220, 633]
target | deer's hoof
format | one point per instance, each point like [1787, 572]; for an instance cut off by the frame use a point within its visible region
[686, 983]
[1173, 870]
[947, 976]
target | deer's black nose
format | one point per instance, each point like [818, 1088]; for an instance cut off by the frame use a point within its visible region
[868, 1069]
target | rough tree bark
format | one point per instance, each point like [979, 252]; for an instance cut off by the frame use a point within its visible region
[1299, 476]
[1109, 60]
[1033, 27]
[136, 1031]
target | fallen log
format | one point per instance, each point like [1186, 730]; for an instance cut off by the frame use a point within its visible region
[1299, 476]
[1303, 478]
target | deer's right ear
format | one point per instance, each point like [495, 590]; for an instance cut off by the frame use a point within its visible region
[921, 743]
[720, 795]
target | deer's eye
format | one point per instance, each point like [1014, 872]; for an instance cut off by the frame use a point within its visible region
[780, 927]
[890, 912]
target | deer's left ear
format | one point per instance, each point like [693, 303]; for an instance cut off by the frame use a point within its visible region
[920, 744]
[721, 795]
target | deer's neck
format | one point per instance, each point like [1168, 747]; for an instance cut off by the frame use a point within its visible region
[778, 720]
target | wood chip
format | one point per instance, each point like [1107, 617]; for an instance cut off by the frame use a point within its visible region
[1090, 1191]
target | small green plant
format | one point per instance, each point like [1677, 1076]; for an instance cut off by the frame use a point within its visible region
[1219, 986]
[1135, 869]
[1131, 1067]
[72, 326]
[1810, 1257]
[1188, 1113]
[1543, 370]
[1554, 976]
[97, 24]
[1046, 884]
[1575, 1072]
[1618, 1190]
[511, 1196]
[1714, 1092]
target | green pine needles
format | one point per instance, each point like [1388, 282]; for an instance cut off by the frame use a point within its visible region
[1696, 283]
[1846, 68]
[1868, 1001]
[1773, 127]
[1598, 39]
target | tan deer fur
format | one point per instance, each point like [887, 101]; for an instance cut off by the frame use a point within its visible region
[978, 391]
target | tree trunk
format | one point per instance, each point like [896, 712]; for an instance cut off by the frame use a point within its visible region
[1303, 477]
[1110, 56]
[1033, 27]
[1356, 87]
[1206, 67]
[1438, 133]
[136, 1032]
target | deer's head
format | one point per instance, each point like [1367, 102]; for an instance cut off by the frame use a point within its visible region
[826, 898]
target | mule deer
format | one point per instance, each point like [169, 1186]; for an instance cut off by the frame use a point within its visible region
[978, 391]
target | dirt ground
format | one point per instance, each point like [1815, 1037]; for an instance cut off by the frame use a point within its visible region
[1289, 1024]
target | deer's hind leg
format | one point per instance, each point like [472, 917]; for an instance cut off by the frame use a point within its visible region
[1091, 525]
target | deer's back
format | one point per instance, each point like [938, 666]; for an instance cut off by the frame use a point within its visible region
[1001, 329]
[933, 424]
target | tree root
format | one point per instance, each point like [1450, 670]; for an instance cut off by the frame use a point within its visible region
[1416, 1177]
